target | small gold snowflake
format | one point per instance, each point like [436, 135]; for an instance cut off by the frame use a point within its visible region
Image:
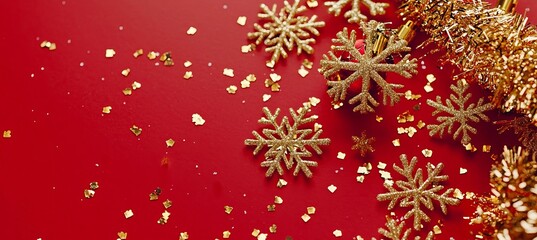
[354, 15]
[284, 30]
[363, 144]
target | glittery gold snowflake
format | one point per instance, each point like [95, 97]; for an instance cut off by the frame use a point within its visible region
[459, 113]
[287, 142]
[284, 30]
[363, 144]
[354, 15]
[396, 231]
[414, 191]
[365, 67]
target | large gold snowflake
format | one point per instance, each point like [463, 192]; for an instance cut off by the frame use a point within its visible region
[415, 191]
[288, 143]
[284, 30]
[459, 113]
[365, 66]
[354, 15]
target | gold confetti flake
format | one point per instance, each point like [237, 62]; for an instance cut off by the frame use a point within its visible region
[167, 204]
[197, 119]
[305, 217]
[337, 233]
[303, 72]
[255, 232]
[94, 185]
[314, 101]
[107, 109]
[360, 178]
[428, 88]
[246, 48]
[251, 78]
[437, 230]
[136, 85]
[228, 72]
[125, 72]
[188, 75]
[275, 77]
[341, 155]
[271, 207]
[312, 3]
[245, 83]
[266, 97]
[430, 78]
[379, 118]
[262, 236]
[110, 53]
[275, 87]
[167, 59]
[241, 20]
[427, 153]
[153, 196]
[228, 209]
[317, 127]
[486, 148]
[50, 45]
[127, 91]
[273, 228]
[381, 165]
[307, 64]
[278, 200]
[187, 64]
[226, 234]
[152, 55]
[463, 171]
[183, 236]
[88, 193]
[191, 31]
[458, 194]
[396, 142]
[332, 188]
[170, 142]
[138, 53]
[122, 235]
[311, 210]
[420, 124]
[164, 219]
[410, 96]
[128, 214]
[232, 89]
[362, 170]
[405, 117]
[385, 175]
[136, 130]
[7, 134]
[281, 183]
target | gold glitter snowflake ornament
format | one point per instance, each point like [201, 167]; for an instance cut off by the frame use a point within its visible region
[365, 67]
[284, 30]
[287, 142]
[395, 231]
[414, 191]
[354, 15]
[462, 115]
[363, 144]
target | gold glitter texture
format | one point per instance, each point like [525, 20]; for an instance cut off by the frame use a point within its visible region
[354, 15]
[287, 142]
[363, 144]
[415, 191]
[459, 114]
[526, 131]
[365, 66]
[396, 231]
[284, 30]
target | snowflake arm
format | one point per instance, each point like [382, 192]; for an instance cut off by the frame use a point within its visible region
[285, 29]
[415, 192]
[454, 106]
[365, 66]
[354, 15]
[394, 231]
[287, 142]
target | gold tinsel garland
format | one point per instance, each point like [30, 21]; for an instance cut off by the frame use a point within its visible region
[492, 46]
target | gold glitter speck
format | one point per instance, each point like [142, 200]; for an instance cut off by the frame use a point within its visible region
[337, 233]
[126, 72]
[232, 89]
[187, 63]
[226, 234]
[136, 85]
[341, 155]
[266, 97]
[88, 193]
[122, 235]
[332, 188]
[152, 55]
[228, 72]
[167, 204]
[271, 207]
[50, 45]
[138, 52]
[197, 119]
[241, 20]
[245, 83]
[303, 72]
[110, 53]
[188, 75]
[191, 31]
[273, 228]
[311, 210]
[128, 214]
[7, 134]
[183, 236]
[255, 232]
[170, 142]
[136, 130]
[127, 91]
[278, 200]
[107, 109]
[228, 209]
[305, 217]
[427, 152]
[281, 183]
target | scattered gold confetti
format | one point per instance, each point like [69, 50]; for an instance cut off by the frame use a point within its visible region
[458, 194]
[138, 52]
[430, 78]
[281, 183]
[245, 83]
[311, 210]
[379, 118]
[128, 214]
[312, 3]
[136, 85]
[241, 20]
[266, 97]
[153, 196]
[126, 72]
[436, 229]
[136, 130]
[410, 96]
[88, 193]
[164, 218]
[127, 91]
[191, 31]
[337, 233]
[183, 236]
[170, 142]
[396, 142]
[251, 78]
[307, 64]
[228, 209]
[341, 155]
[187, 63]
[278, 200]
[470, 147]
[197, 119]
[256, 232]
[7, 134]
[273, 228]
[107, 109]
[427, 152]
[50, 45]
[303, 72]
[122, 235]
[167, 59]
[317, 127]
[271, 207]
[246, 48]
[275, 77]
[167, 204]
[188, 75]
[420, 124]
[226, 234]
[262, 236]
[152, 55]
[232, 89]
[228, 72]
[362, 170]
[486, 148]
[314, 101]
[405, 117]
[463, 170]
[381, 165]
[428, 88]
[94, 185]
[305, 217]
[360, 178]
[110, 53]
[332, 188]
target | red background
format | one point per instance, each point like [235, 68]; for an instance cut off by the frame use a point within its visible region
[61, 141]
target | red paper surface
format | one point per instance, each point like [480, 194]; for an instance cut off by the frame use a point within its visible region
[61, 141]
